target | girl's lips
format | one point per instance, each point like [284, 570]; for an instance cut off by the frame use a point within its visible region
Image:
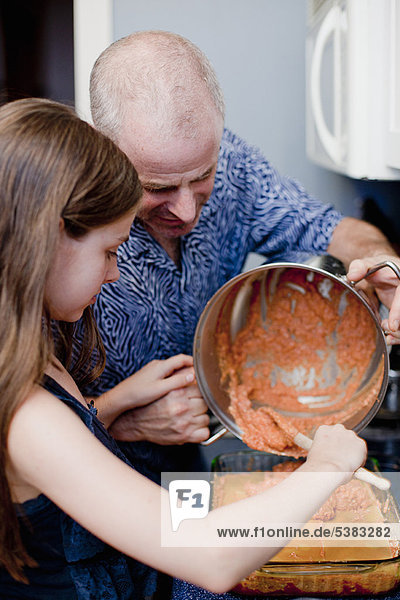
[93, 300]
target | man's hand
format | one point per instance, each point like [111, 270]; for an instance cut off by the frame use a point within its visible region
[387, 288]
[160, 403]
[360, 246]
[175, 418]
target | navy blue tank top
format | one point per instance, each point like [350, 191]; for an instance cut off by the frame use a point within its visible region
[73, 563]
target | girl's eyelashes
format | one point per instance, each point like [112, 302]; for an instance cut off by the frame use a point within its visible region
[112, 254]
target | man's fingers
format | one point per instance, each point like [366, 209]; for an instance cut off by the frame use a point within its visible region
[199, 435]
[357, 269]
[394, 314]
[198, 407]
[197, 430]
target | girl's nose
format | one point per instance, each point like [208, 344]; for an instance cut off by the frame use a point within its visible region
[112, 274]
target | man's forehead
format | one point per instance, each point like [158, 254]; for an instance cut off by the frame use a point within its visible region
[159, 161]
[145, 137]
[162, 180]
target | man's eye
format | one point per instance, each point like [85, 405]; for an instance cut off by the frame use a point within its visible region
[205, 177]
[164, 190]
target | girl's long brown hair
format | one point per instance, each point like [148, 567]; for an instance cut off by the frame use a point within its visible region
[52, 165]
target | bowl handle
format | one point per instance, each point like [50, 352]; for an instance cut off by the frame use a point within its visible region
[215, 436]
[387, 263]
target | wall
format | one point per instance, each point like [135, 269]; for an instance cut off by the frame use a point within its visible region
[258, 50]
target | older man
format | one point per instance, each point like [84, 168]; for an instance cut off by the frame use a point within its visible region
[209, 199]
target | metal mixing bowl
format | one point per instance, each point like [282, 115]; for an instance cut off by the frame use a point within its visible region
[228, 309]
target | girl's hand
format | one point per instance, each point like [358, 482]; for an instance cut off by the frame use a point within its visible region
[156, 379]
[336, 448]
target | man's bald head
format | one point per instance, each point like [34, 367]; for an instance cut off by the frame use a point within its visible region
[156, 79]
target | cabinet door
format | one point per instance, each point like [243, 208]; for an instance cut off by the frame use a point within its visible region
[393, 145]
[93, 24]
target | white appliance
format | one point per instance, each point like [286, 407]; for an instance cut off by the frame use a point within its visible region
[353, 87]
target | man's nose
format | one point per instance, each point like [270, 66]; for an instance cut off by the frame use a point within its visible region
[183, 206]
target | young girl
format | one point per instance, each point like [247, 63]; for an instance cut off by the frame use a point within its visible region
[74, 515]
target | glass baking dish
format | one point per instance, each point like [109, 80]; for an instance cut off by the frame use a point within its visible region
[360, 574]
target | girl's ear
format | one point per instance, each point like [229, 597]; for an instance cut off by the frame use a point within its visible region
[61, 225]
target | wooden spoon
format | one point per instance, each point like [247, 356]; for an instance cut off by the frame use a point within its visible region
[363, 474]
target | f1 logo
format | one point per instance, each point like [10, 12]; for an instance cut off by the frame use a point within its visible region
[188, 499]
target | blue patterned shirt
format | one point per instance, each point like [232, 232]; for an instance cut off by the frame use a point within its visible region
[152, 310]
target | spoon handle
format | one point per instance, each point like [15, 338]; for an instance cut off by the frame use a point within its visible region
[363, 474]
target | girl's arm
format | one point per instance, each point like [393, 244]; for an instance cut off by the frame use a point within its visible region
[51, 450]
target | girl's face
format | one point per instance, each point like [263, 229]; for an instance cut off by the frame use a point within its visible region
[81, 266]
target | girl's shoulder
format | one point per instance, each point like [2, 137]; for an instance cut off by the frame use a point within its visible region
[45, 402]
[40, 424]
[36, 420]
[43, 414]
[38, 402]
